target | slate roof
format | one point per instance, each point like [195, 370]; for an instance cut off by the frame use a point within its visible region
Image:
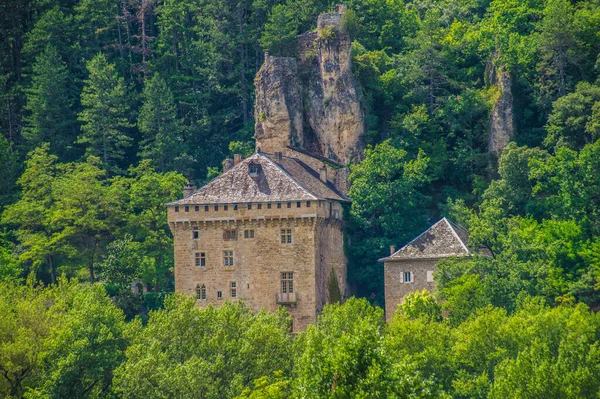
[287, 180]
[442, 240]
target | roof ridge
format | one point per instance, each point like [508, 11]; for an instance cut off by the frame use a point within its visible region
[417, 237]
[451, 225]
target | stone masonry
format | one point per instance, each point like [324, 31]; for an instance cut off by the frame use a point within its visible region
[267, 231]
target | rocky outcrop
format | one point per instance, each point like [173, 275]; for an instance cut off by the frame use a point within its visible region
[312, 101]
[501, 122]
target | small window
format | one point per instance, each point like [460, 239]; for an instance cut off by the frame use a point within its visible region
[308, 204]
[196, 208]
[336, 214]
[187, 208]
[253, 169]
[248, 233]
[235, 207]
[200, 259]
[225, 207]
[429, 276]
[176, 209]
[407, 277]
[216, 208]
[269, 205]
[205, 208]
[289, 204]
[298, 204]
[278, 206]
[286, 236]
[228, 258]
[259, 206]
[230, 235]
[233, 289]
[219, 295]
[287, 282]
[249, 206]
[195, 235]
[201, 292]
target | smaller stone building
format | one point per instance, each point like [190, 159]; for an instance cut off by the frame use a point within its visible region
[411, 268]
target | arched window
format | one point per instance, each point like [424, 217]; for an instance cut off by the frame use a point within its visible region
[201, 292]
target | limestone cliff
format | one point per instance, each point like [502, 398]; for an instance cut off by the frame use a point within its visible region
[501, 121]
[312, 101]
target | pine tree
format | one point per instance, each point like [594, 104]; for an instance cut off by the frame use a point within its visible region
[105, 114]
[49, 104]
[163, 141]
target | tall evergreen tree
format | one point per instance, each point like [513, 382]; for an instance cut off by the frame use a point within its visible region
[49, 104]
[105, 114]
[163, 133]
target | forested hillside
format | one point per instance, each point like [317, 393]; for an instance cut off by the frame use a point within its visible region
[107, 107]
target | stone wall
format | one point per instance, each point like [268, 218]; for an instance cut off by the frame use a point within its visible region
[258, 261]
[396, 289]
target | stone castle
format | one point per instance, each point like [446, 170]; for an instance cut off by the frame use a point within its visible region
[269, 230]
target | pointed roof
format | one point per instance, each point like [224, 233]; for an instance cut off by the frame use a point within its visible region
[283, 179]
[442, 240]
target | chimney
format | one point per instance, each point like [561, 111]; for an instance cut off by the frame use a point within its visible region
[188, 189]
[278, 156]
[392, 249]
[323, 174]
[227, 164]
[237, 158]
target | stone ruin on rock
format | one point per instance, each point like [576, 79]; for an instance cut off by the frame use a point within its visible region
[312, 101]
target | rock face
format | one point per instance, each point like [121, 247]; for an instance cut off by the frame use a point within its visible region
[501, 121]
[312, 101]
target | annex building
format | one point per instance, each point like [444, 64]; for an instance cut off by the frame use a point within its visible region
[267, 231]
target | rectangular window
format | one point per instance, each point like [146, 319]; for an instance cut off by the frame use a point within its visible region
[228, 258]
[407, 277]
[259, 206]
[429, 276]
[225, 207]
[298, 204]
[308, 204]
[235, 207]
[289, 204]
[287, 282]
[278, 207]
[196, 208]
[249, 206]
[201, 292]
[269, 205]
[286, 236]
[233, 289]
[176, 209]
[187, 208]
[248, 233]
[195, 235]
[205, 208]
[219, 295]
[230, 235]
[200, 259]
[216, 208]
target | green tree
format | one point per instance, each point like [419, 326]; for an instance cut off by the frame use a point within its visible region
[49, 103]
[105, 124]
[164, 142]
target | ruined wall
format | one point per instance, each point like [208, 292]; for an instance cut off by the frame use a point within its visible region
[258, 261]
[396, 289]
[333, 118]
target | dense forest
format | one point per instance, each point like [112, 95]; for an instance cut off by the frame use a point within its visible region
[107, 107]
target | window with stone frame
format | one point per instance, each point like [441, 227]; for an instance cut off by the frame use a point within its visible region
[286, 236]
[219, 295]
[407, 277]
[200, 258]
[187, 208]
[195, 233]
[228, 258]
[234, 289]
[230, 235]
[201, 292]
[248, 234]
[429, 276]
[196, 208]
[287, 282]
